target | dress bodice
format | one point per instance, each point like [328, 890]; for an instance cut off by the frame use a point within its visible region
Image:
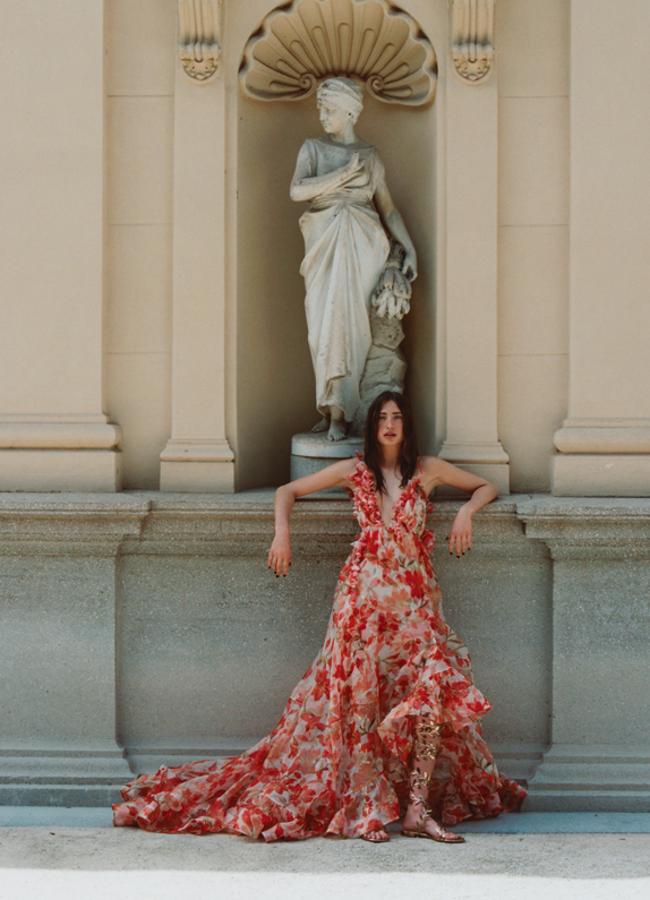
[405, 535]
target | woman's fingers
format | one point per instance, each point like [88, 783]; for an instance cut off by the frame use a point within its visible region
[278, 563]
[459, 542]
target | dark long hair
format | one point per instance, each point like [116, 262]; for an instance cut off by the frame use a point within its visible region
[408, 456]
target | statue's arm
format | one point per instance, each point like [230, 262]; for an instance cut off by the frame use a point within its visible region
[305, 185]
[395, 225]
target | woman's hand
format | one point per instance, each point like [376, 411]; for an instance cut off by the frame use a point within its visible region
[460, 536]
[279, 558]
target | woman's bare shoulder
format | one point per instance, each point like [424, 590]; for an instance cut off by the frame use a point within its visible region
[429, 463]
[429, 469]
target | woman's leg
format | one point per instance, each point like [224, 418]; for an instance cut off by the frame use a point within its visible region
[418, 816]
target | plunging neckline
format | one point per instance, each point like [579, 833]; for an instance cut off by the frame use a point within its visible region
[414, 478]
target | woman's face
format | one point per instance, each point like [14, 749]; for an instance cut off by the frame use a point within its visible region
[332, 117]
[390, 431]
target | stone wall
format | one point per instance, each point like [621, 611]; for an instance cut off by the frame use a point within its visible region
[141, 629]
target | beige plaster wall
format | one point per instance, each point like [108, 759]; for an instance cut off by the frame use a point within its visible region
[610, 313]
[50, 212]
[268, 365]
[140, 59]
[532, 41]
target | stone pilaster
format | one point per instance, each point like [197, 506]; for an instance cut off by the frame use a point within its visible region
[54, 434]
[604, 443]
[198, 456]
[598, 757]
[471, 260]
[60, 610]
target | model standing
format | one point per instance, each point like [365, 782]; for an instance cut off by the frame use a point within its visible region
[385, 721]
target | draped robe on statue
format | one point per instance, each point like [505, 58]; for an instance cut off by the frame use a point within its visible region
[346, 248]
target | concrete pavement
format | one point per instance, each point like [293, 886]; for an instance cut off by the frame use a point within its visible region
[51, 853]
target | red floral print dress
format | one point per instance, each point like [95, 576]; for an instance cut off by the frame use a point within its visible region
[337, 762]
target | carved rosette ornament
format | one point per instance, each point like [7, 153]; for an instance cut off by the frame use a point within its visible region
[199, 34]
[472, 38]
[303, 41]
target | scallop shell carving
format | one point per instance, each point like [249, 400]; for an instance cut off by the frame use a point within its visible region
[303, 41]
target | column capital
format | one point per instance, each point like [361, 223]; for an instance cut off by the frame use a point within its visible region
[199, 38]
[472, 38]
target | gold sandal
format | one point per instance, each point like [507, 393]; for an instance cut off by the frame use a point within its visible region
[427, 744]
[382, 840]
[443, 836]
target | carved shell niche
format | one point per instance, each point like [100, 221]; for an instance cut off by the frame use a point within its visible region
[303, 41]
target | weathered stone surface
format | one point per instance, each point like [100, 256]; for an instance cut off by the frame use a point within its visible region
[600, 628]
[147, 625]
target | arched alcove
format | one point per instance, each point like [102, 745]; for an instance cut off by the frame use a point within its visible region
[274, 395]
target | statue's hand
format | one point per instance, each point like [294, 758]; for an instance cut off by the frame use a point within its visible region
[354, 164]
[354, 172]
[410, 266]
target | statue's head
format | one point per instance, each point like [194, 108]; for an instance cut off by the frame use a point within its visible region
[339, 101]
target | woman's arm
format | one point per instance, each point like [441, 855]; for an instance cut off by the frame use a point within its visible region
[439, 471]
[305, 186]
[336, 475]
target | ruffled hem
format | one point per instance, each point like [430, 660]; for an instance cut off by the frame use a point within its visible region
[442, 692]
[317, 809]
[453, 700]
[278, 808]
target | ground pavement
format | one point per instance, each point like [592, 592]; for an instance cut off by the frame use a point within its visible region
[56, 853]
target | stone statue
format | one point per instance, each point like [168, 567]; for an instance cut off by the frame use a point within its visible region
[358, 264]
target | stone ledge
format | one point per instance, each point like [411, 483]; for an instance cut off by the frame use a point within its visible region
[149, 521]
[579, 527]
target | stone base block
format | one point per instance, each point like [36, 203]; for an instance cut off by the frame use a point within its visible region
[198, 477]
[60, 794]
[149, 758]
[60, 470]
[589, 779]
[601, 475]
[485, 460]
[62, 778]
[311, 452]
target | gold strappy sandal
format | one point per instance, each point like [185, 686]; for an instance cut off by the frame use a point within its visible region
[379, 840]
[443, 836]
[427, 743]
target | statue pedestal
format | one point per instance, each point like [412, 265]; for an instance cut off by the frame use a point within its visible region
[311, 452]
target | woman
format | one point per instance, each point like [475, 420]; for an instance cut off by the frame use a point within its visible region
[346, 232]
[387, 711]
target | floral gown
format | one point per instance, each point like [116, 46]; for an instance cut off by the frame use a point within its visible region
[337, 761]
